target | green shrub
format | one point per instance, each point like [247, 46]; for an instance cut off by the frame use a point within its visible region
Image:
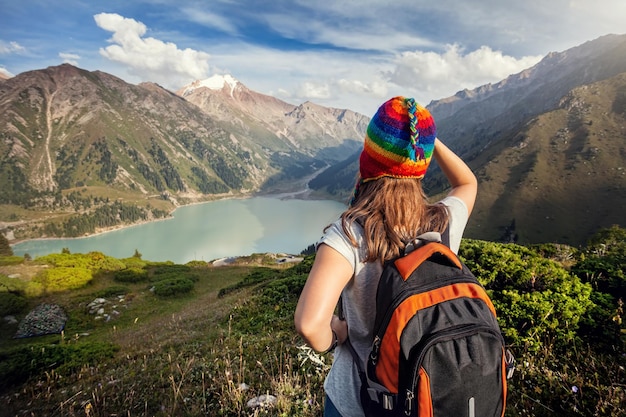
[112, 291]
[532, 318]
[11, 260]
[63, 259]
[256, 276]
[173, 286]
[33, 289]
[101, 262]
[511, 266]
[563, 254]
[283, 291]
[274, 303]
[134, 263]
[170, 269]
[197, 264]
[169, 272]
[14, 285]
[11, 304]
[63, 278]
[602, 324]
[603, 262]
[95, 261]
[537, 299]
[20, 363]
[173, 276]
[131, 275]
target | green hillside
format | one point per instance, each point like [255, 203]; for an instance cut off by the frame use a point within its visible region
[74, 142]
[558, 177]
[148, 338]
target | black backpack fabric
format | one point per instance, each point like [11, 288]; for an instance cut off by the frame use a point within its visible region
[438, 350]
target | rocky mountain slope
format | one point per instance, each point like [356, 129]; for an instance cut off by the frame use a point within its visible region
[562, 176]
[64, 127]
[64, 130]
[548, 145]
[322, 132]
[487, 110]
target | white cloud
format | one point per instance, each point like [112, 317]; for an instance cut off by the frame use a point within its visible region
[363, 94]
[314, 91]
[362, 81]
[331, 78]
[11, 48]
[347, 35]
[5, 72]
[375, 88]
[69, 58]
[433, 75]
[375, 52]
[209, 19]
[148, 58]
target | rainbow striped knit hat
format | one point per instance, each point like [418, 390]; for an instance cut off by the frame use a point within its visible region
[399, 142]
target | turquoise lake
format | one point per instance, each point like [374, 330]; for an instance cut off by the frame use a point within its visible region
[208, 231]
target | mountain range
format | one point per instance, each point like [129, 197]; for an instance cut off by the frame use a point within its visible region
[548, 145]
[70, 137]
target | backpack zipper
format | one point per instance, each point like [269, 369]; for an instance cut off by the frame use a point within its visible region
[408, 403]
[455, 332]
[401, 297]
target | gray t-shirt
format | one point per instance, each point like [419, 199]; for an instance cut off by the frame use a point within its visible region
[359, 298]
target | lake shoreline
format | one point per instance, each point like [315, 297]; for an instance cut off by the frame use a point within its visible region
[295, 195]
[105, 230]
[299, 194]
[230, 227]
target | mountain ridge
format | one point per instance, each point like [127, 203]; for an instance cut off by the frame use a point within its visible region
[238, 106]
[69, 134]
[491, 126]
[581, 60]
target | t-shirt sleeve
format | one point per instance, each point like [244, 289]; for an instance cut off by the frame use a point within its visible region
[335, 237]
[459, 215]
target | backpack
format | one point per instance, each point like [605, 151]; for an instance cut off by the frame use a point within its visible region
[437, 348]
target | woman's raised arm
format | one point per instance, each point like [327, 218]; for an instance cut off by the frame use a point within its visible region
[461, 178]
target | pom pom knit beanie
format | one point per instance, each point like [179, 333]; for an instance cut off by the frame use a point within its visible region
[399, 142]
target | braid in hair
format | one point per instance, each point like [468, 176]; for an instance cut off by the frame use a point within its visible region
[412, 109]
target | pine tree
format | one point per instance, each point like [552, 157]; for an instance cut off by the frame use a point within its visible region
[5, 248]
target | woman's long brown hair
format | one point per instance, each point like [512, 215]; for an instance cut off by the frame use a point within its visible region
[392, 211]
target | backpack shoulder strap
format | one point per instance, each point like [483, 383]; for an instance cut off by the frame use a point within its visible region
[409, 263]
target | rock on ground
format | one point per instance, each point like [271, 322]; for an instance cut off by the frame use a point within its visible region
[43, 319]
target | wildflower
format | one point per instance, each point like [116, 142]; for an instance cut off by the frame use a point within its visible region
[574, 389]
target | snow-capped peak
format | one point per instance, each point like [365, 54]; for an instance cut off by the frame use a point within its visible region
[215, 82]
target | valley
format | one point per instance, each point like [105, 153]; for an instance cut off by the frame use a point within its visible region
[82, 152]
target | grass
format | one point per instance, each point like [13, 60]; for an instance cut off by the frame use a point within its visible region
[175, 356]
[211, 351]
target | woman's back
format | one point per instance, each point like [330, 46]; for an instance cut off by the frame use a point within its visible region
[388, 210]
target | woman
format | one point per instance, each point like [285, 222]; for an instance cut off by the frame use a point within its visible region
[389, 209]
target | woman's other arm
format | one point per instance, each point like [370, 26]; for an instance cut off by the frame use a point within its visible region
[314, 318]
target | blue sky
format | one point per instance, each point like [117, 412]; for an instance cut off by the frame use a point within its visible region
[345, 54]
